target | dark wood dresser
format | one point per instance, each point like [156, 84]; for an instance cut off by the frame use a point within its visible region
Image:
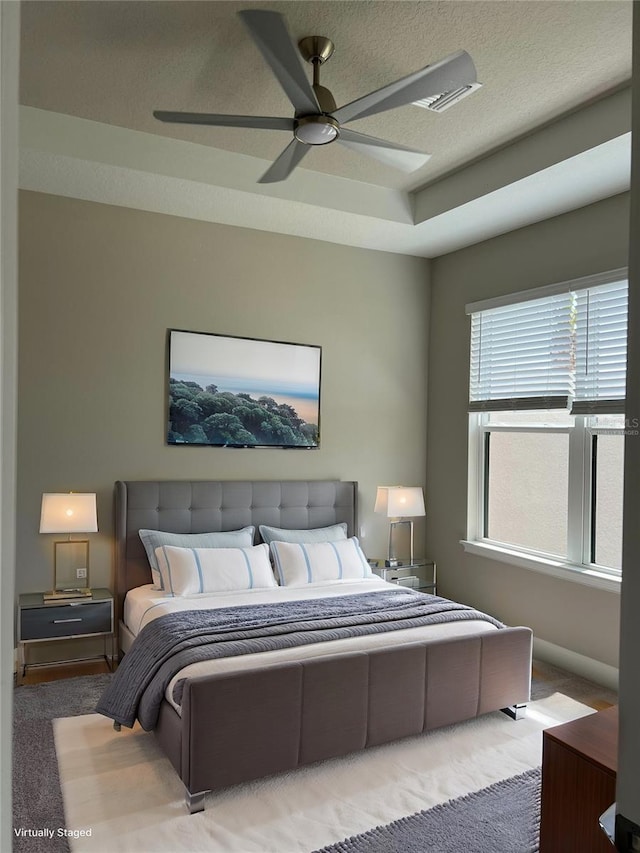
[579, 761]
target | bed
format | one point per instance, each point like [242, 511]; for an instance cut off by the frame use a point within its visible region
[278, 710]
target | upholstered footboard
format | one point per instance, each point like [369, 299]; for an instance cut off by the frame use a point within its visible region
[254, 723]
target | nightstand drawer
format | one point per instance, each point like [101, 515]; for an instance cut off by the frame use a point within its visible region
[394, 574]
[69, 620]
[421, 574]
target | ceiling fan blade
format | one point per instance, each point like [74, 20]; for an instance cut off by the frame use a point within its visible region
[390, 153]
[449, 73]
[270, 34]
[283, 165]
[264, 122]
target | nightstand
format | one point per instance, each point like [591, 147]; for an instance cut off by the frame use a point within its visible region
[420, 575]
[40, 622]
[579, 766]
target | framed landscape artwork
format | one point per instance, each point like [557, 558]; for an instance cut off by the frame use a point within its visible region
[227, 391]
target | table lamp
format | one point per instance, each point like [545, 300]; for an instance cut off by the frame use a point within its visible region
[401, 504]
[69, 513]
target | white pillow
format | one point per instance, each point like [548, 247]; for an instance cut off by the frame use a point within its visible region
[153, 539]
[300, 563]
[187, 571]
[314, 534]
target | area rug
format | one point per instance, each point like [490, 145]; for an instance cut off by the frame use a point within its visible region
[503, 817]
[121, 793]
[37, 798]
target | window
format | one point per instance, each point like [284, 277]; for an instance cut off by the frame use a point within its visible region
[546, 404]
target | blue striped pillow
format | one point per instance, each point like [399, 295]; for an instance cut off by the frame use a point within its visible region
[189, 571]
[152, 539]
[300, 563]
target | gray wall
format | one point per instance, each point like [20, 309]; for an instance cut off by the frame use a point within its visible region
[590, 240]
[100, 285]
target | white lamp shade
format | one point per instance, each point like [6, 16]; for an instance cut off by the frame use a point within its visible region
[400, 501]
[68, 513]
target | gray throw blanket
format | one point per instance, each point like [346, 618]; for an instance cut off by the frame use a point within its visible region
[171, 642]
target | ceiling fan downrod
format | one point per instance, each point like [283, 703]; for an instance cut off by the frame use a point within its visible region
[317, 50]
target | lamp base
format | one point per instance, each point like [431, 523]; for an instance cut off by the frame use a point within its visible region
[393, 550]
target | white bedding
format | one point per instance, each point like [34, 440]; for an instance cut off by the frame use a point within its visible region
[144, 604]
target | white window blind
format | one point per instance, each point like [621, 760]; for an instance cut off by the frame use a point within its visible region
[601, 349]
[563, 350]
[522, 355]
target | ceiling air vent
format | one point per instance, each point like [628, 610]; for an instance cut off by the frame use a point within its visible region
[440, 103]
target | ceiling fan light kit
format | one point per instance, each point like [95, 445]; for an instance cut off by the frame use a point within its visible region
[316, 130]
[317, 120]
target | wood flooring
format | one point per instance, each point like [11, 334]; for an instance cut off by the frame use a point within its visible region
[38, 674]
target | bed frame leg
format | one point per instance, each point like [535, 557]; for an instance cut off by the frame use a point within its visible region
[516, 712]
[116, 726]
[194, 802]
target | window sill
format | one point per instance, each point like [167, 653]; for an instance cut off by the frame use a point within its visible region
[555, 568]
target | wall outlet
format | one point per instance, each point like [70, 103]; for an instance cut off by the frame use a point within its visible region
[81, 573]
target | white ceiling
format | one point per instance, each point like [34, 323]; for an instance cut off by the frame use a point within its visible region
[92, 72]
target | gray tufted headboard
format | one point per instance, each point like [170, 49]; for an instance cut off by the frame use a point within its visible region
[199, 506]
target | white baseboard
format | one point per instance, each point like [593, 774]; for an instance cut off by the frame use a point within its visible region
[594, 670]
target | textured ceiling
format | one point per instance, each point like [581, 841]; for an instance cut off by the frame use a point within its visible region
[115, 62]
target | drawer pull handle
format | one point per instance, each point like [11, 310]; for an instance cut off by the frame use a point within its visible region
[60, 621]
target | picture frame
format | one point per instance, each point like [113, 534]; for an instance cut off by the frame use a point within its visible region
[231, 391]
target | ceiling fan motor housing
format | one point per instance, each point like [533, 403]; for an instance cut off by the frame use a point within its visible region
[325, 98]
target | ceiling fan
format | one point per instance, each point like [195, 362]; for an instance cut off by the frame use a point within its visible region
[317, 120]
